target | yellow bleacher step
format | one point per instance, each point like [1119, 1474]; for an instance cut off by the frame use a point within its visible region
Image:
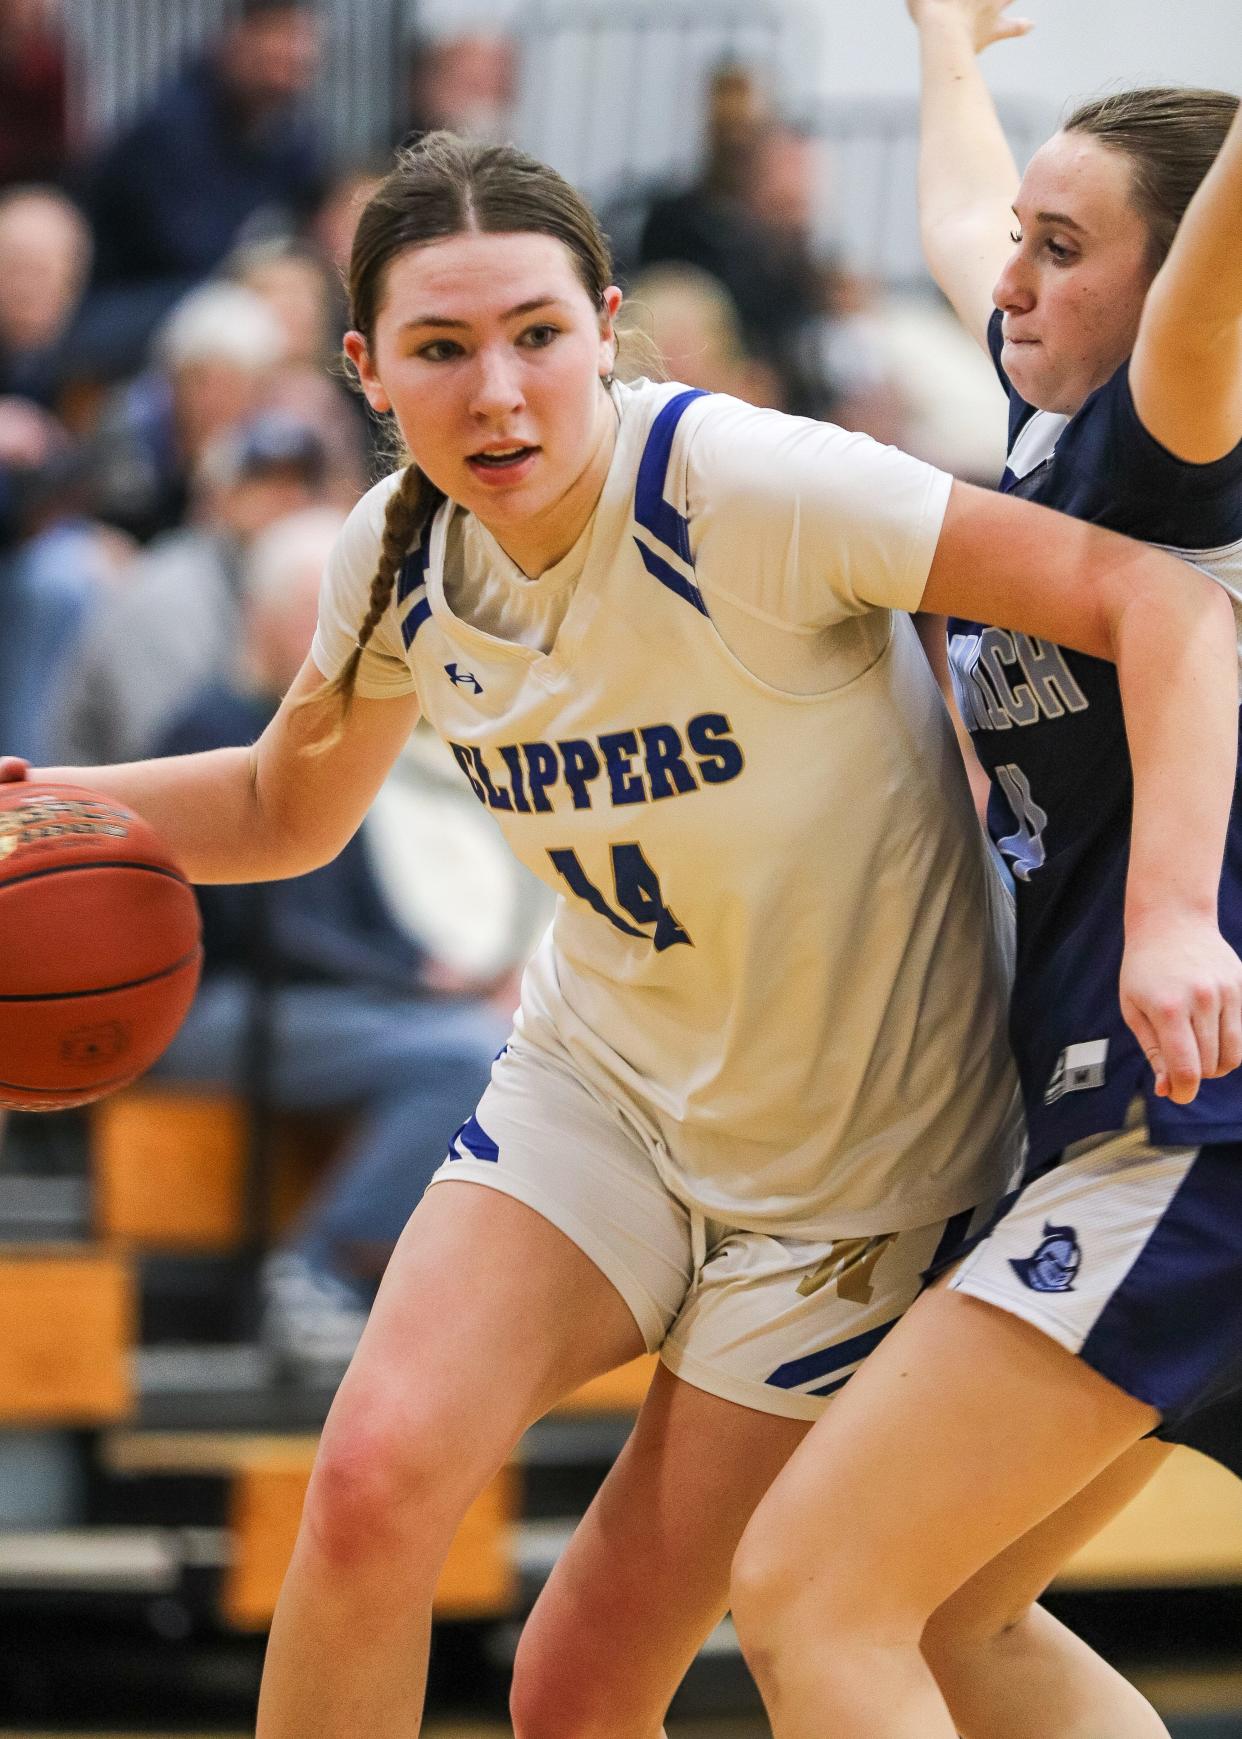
[169, 1167]
[268, 1475]
[1184, 1528]
[69, 1315]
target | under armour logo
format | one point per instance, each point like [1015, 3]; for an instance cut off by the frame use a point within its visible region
[463, 678]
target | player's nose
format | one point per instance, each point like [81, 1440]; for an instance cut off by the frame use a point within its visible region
[1012, 290]
[496, 388]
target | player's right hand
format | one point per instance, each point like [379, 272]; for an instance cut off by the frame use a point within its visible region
[984, 19]
[13, 769]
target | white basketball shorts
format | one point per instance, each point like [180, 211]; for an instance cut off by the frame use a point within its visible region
[773, 1323]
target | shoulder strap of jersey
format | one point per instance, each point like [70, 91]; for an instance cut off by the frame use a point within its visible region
[655, 514]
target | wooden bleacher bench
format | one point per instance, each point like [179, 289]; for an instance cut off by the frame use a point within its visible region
[169, 1168]
[69, 1314]
[268, 1475]
[1184, 1530]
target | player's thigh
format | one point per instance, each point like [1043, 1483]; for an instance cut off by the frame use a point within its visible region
[544, 1251]
[770, 1330]
[997, 1596]
[486, 1316]
[645, 1577]
[967, 1429]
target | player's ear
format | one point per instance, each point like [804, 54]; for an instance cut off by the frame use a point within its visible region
[359, 354]
[610, 307]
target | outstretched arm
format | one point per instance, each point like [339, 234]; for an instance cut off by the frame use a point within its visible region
[258, 814]
[967, 176]
[1170, 632]
[1186, 371]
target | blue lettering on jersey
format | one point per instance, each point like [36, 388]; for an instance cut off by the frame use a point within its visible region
[721, 758]
[1055, 1263]
[640, 765]
[619, 748]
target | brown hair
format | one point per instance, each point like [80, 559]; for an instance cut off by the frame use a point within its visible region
[1172, 135]
[445, 186]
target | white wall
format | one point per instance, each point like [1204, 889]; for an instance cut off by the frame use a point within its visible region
[1078, 47]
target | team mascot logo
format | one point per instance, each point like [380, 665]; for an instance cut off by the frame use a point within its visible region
[1054, 1266]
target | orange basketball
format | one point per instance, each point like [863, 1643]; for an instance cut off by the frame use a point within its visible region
[99, 946]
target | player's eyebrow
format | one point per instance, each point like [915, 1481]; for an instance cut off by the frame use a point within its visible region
[1054, 220]
[514, 313]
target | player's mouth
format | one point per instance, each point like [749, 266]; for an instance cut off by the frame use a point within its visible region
[503, 463]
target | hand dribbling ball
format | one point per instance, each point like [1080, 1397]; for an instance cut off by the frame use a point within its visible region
[100, 946]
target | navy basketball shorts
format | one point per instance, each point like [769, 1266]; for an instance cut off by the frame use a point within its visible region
[1130, 1256]
[774, 1323]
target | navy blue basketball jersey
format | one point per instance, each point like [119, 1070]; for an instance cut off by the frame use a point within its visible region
[1047, 725]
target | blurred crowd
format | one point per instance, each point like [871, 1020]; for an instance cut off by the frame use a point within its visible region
[179, 445]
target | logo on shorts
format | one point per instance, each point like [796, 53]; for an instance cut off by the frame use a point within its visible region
[1055, 1264]
[1079, 1067]
[463, 679]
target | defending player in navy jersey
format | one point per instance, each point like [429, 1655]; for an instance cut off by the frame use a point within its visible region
[1046, 723]
[1105, 1297]
[759, 1079]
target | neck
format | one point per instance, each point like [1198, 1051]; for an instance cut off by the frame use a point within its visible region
[542, 542]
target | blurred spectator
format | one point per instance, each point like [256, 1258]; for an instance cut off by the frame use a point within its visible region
[354, 1024]
[56, 567]
[942, 384]
[45, 251]
[176, 623]
[691, 321]
[227, 154]
[466, 83]
[747, 221]
[33, 141]
[335, 218]
[214, 359]
[298, 287]
[311, 384]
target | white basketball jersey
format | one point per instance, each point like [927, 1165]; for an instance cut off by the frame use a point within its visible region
[780, 949]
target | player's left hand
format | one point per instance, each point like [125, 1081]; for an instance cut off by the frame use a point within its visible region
[1181, 996]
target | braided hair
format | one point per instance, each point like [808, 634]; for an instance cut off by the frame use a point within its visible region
[445, 186]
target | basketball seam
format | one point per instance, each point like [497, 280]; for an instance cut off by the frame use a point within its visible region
[67, 1092]
[68, 869]
[103, 989]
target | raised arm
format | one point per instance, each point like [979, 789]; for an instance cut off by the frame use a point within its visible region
[1186, 371]
[967, 176]
[1170, 631]
[258, 814]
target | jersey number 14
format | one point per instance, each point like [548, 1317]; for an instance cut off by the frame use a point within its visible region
[637, 891]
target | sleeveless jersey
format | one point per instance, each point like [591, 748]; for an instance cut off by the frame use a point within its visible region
[780, 950]
[1047, 724]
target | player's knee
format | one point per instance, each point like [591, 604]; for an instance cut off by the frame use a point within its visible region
[961, 1633]
[551, 1698]
[556, 1695]
[763, 1591]
[376, 1489]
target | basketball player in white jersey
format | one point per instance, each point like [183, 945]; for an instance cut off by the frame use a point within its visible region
[1106, 1299]
[759, 1080]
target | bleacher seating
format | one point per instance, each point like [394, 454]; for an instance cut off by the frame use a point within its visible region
[200, 1454]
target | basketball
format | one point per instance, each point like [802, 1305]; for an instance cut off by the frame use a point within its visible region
[99, 946]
